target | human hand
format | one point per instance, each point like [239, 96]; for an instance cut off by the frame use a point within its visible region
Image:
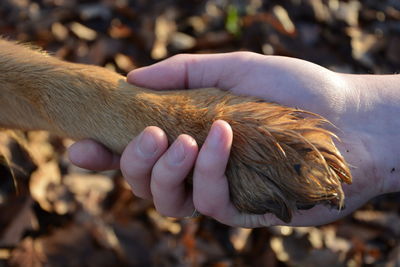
[157, 172]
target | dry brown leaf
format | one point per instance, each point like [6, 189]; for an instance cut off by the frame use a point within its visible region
[83, 32]
[124, 62]
[164, 223]
[198, 24]
[348, 12]
[239, 238]
[47, 189]
[72, 245]
[59, 31]
[29, 253]
[136, 241]
[363, 44]
[39, 147]
[389, 220]
[23, 220]
[89, 189]
[118, 30]
[283, 17]
[163, 29]
[182, 41]
[321, 10]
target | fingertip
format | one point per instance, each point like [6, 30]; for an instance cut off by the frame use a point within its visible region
[91, 155]
[139, 76]
[225, 130]
[177, 162]
[75, 153]
[165, 75]
[146, 148]
[218, 142]
[159, 136]
[190, 143]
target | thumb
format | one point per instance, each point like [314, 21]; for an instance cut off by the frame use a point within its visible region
[187, 71]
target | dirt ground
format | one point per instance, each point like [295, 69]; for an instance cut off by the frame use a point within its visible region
[55, 214]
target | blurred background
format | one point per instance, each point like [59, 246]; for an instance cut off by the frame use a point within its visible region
[55, 214]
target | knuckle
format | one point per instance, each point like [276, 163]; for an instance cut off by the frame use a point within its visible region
[135, 170]
[132, 165]
[166, 176]
[244, 55]
[205, 168]
[158, 182]
[163, 179]
[189, 60]
[127, 170]
[162, 182]
[179, 58]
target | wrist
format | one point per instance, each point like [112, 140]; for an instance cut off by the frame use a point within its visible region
[373, 114]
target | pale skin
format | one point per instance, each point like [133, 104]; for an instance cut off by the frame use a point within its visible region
[364, 108]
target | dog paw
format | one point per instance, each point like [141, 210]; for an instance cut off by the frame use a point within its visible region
[282, 159]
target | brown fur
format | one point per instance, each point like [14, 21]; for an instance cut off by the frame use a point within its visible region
[281, 160]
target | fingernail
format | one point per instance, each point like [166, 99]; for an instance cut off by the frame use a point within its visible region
[176, 153]
[147, 145]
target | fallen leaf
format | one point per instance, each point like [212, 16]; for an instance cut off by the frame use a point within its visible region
[283, 17]
[164, 27]
[182, 41]
[59, 31]
[124, 62]
[21, 219]
[83, 32]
